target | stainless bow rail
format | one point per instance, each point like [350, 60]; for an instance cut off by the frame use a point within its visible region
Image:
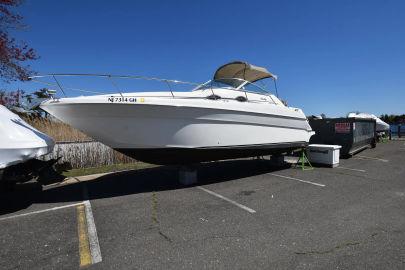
[239, 86]
[108, 76]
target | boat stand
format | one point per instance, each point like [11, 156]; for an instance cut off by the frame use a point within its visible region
[188, 175]
[277, 160]
[302, 161]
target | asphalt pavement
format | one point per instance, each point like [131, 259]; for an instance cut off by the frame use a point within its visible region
[242, 214]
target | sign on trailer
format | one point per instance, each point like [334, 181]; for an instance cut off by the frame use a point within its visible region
[342, 127]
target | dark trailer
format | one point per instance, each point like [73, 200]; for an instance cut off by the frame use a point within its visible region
[353, 134]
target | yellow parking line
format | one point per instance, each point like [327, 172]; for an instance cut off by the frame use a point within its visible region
[84, 246]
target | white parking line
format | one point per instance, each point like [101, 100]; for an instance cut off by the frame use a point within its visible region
[351, 169]
[91, 230]
[299, 180]
[42, 211]
[372, 158]
[228, 200]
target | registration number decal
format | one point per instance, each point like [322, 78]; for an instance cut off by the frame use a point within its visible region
[122, 99]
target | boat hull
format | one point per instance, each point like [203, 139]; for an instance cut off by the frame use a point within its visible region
[180, 134]
[170, 156]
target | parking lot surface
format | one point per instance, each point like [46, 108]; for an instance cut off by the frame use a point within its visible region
[242, 214]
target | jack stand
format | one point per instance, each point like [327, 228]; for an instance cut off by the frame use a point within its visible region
[187, 175]
[303, 159]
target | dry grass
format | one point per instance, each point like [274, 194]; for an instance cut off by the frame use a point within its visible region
[81, 151]
[56, 129]
[88, 154]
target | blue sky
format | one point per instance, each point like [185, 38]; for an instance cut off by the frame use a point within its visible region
[331, 57]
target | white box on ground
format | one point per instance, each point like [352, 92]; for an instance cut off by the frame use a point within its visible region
[324, 154]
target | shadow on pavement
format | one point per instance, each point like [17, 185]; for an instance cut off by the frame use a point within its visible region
[133, 182]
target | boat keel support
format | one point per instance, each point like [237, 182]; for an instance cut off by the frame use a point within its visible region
[188, 175]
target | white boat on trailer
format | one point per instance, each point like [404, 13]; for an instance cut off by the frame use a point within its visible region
[381, 126]
[21, 150]
[227, 117]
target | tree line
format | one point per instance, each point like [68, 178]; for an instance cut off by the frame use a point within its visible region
[25, 104]
[393, 119]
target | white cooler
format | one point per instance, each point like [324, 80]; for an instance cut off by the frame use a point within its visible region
[324, 154]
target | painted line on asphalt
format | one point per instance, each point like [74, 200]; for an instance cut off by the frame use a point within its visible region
[299, 180]
[91, 229]
[41, 211]
[228, 200]
[84, 245]
[350, 169]
[371, 158]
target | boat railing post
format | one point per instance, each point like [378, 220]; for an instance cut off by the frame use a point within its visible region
[399, 131]
[275, 86]
[170, 88]
[115, 85]
[212, 90]
[242, 86]
[59, 85]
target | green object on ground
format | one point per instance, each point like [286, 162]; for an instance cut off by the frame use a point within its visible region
[384, 138]
[302, 161]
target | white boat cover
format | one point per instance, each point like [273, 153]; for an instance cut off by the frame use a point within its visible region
[19, 141]
[243, 70]
[380, 124]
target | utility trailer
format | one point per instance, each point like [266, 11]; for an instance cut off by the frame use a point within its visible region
[353, 134]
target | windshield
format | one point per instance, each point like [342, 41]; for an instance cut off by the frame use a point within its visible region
[251, 87]
[261, 87]
[221, 83]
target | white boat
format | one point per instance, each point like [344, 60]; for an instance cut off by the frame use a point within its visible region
[381, 126]
[19, 141]
[20, 145]
[228, 117]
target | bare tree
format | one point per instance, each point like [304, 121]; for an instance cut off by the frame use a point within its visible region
[13, 54]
